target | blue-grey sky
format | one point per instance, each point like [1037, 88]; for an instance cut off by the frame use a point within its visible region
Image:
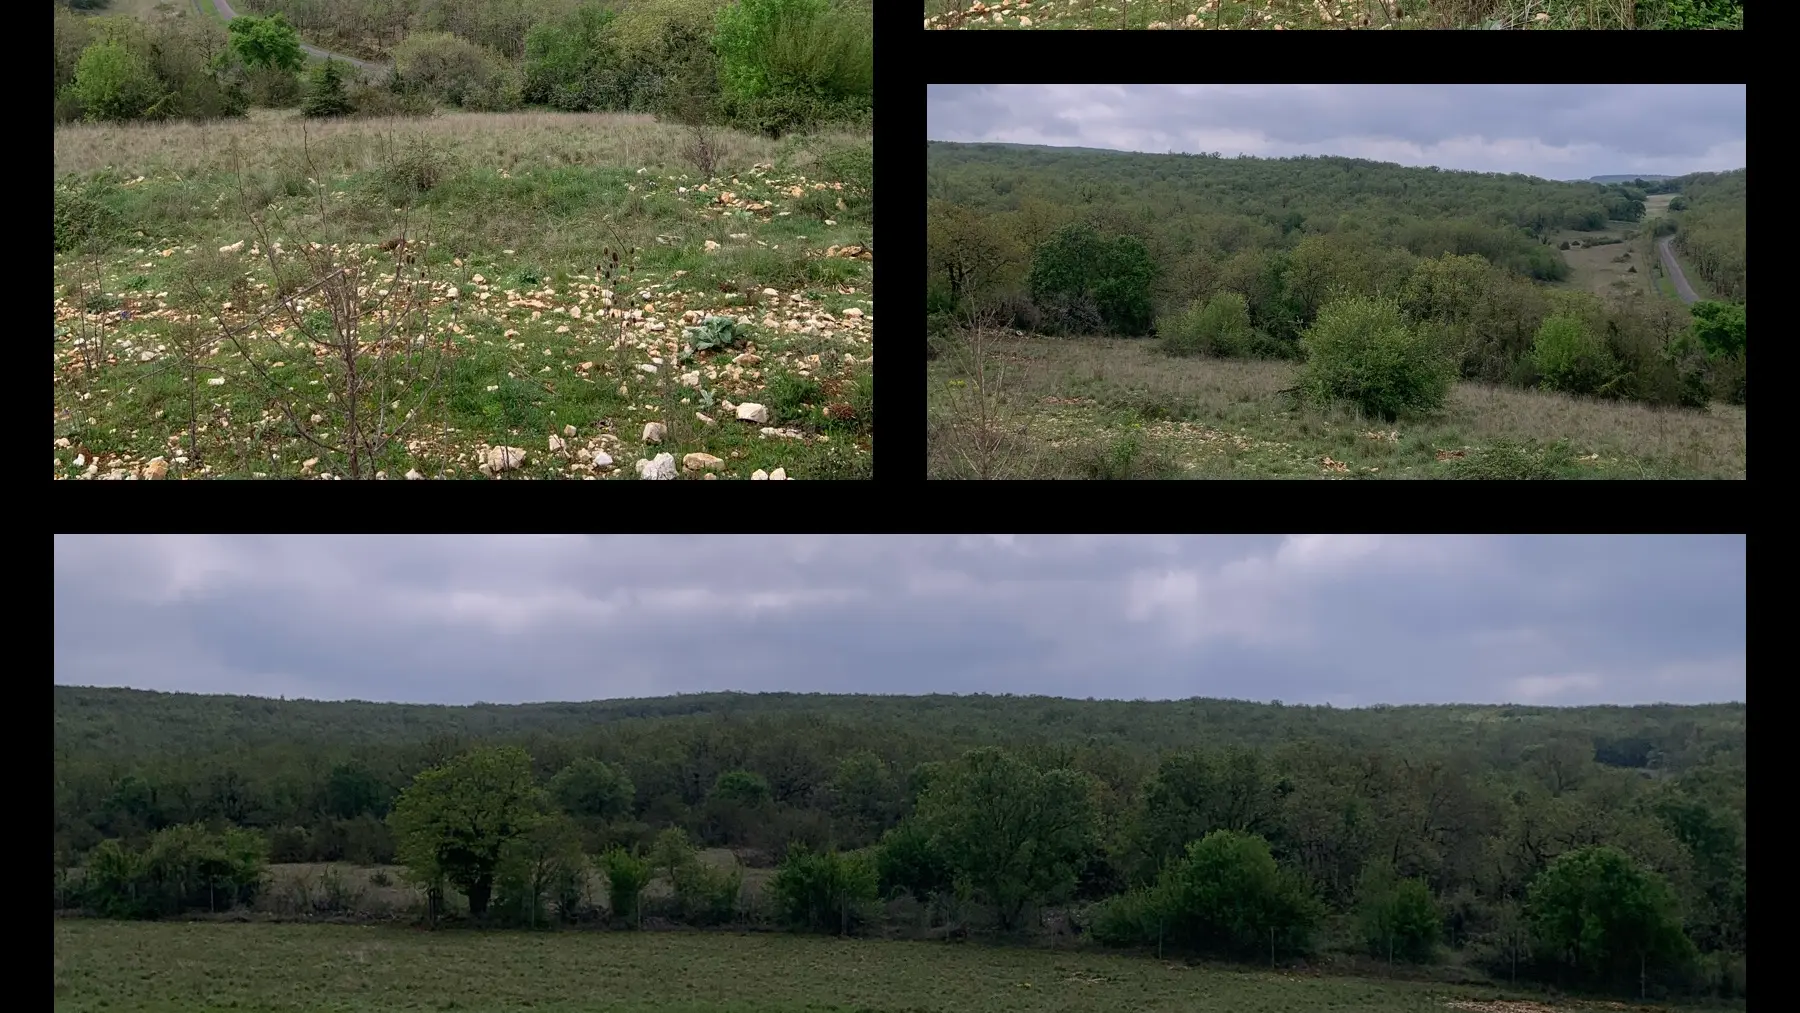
[1350, 620]
[1562, 131]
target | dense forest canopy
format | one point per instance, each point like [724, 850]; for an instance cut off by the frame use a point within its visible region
[1435, 822]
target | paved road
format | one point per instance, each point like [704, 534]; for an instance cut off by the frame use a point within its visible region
[1673, 270]
[377, 69]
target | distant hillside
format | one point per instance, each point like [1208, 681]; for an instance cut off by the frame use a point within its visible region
[1645, 176]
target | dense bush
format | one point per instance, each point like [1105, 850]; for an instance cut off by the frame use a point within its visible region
[1220, 327]
[1225, 896]
[626, 877]
[573, 64]
[854, 166]
[1365, 352]
[826, 892]
[112, 82]
[1595, 910]
[1399, 919]
[325, 95]
[455, 72]
[705, 895]
[183, 868]
[909, 860]
[1083, 282]
[787, 64]
[80, 217]
[1571, 358]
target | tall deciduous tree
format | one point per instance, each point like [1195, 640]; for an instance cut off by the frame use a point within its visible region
[1598, 913]
[455, 821]
[1018, 835]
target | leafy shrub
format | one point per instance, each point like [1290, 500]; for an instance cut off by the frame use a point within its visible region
[1571, 359]
[854, 167]
[1508, 459]
[626, 877]
[908, 860]
[786, 64]
[456, 72]
[1225, 895]
[1399, 920]
[182, 868]
[1081, 281]
[80, 219]
[112, 82]
[1364, 352]
[572, 63]
[415, 169]
[325, 94]
[705, 895]
[826, 891]
[1219, 327]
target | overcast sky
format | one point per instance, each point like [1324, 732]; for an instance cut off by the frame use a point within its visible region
[1350, 620]
[1565, 131]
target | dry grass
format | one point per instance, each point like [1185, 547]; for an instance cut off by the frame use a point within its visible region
[1291, 15]
[1118, 408]
[271, 139]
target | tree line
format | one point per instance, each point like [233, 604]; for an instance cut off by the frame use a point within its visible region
[1598, 848]
[1242, 257]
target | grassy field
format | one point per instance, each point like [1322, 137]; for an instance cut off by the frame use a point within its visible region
[194, 967]
[1120, 409]
[1606, 269]
[1286, 15]
[499, 329]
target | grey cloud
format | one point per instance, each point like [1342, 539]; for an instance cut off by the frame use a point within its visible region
[1555, 131]
[1349, 620]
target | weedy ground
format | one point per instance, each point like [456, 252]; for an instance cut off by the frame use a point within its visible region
[1289, 15]
[518, 328]
[1057, 408]
[203, 967]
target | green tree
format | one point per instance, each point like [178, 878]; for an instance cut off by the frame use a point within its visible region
[1572, 359]
[594, 789]
[543, 869]
[573, 64]
[966, 249]
[1719, 327]
[1220, 326]
[325, 95]
[455, 821]
[1018, 834]
[865, 795]
[266, 42]
[626, 877]
[1364, 352]
[1678, 204]
[1084, 282]
[1596, 912]
[825, 891]
[113, 83]
[909, 859]
[1228, 895]
[1399, 918]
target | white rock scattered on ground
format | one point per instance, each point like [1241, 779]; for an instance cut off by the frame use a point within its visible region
[778, 475]
[412, 475]
[703, 417]
[602, 460]
[702, 462]
[662, 466]
[157, 468]
[654, 432]
[556, 443]
[233, 248]
[752, 412]
[759, 475]
[503, 458]
[569, 432]
[647, 367]
[691, 379]
[770, 291]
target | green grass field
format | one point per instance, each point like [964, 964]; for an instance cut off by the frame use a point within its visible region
[1120, 409]
[198, 967]
[532, 347]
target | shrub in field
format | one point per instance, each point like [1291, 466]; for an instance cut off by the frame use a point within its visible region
[626, 877]
[1083, 281]
[705, 895]
[112, 82]
[573, 64]
[909, 860]
[182, 868]
[785, 64]
[1364, 352]
[853, 166]
[825, 892]
[456, 72]
[79, 217]
[325, 94]
[1226, 895]
[1220, 326]
[456, 821]
[1594, 910]
[1571, 358]
[1399, 919]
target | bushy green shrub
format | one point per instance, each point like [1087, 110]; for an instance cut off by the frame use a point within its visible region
[626, 877]
[112, 82]
[573, 64]
[1364, 352]
[1399, 919]
[182, 868]
[788, 64]
[824, 892]
[456, 72]
[1220, 326]
[1570, 358]
[80, 219]
[707, 896]
[908, 860]
[325, 95]
[1226, 895]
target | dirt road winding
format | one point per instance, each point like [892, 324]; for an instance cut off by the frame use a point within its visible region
[375, 69]
[1673, 270]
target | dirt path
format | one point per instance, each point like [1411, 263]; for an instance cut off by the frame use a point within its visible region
[1673, 270]
[377, 69]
